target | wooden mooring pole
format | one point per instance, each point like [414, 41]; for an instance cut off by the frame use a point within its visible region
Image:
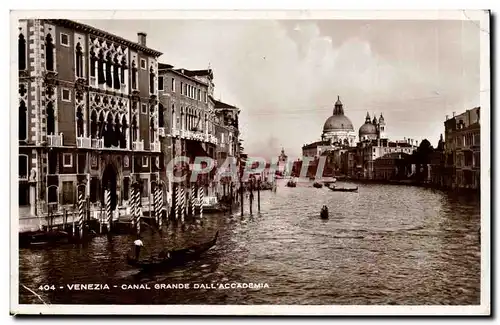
[258, 195]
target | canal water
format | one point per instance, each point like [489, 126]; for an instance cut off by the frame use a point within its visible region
[385, 244]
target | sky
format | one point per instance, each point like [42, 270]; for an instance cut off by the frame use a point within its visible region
[285, 75]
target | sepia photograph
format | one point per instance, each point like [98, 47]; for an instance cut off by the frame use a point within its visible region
[250, 162]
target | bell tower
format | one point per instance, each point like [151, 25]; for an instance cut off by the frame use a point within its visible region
[381, 127]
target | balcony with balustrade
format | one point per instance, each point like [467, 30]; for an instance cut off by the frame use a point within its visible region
[97, 143]
[194, 135]
[138, 145]
[83, 142]
[55, 140]
[155, 146]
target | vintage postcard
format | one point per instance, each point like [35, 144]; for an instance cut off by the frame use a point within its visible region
[250, 162]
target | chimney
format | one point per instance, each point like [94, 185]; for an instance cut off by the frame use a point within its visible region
[447, 117]
[141, 36]
[416, 143]
[453, 114]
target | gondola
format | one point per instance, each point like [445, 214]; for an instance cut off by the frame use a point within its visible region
[317, 185]
[170, 259]
[343, 189]
[291, 183]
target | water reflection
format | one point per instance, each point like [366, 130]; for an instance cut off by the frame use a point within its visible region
[382, 245]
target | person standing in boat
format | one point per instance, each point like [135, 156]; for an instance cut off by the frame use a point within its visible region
[138, 245]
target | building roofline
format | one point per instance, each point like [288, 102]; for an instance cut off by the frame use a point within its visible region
[98, 32]
[170, 68]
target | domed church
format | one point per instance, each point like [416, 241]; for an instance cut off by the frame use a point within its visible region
[372, 129]
[338, 129]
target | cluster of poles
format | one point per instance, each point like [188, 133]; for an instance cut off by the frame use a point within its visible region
[187, 200]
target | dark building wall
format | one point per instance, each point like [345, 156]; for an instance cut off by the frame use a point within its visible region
[65, 55]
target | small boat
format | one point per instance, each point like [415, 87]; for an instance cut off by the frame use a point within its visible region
[291, 183]
[170, 259]
[317, 185]
[324, 212]
[343, 189]
[37, 238]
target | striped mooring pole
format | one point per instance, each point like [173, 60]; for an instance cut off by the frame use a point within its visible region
[193, 200]
[81, 214]
[177, 202]
[107, 202]
[157, 205]
[138, 211]
[183, 204]
[200, 202]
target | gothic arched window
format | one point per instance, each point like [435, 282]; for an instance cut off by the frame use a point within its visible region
[93, 125]
[109, 78]
[79, 60]
[161, 122]
[49, 53]
[152, 130]
[174, 118]
[22, 52]
[118, 132]
[79, 122]
[116, 74]
[134, 128]
[93, 61]
[101, 125]
[100, 69]
[109, 133]
[134, 75]
[23, 121]
[123, 137]
[151, 81]
[51, 123]
[122, 71]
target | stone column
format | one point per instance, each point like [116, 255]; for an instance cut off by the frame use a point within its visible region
[32, 198]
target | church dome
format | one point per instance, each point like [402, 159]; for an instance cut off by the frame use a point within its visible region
[367, 129]
[338, 121]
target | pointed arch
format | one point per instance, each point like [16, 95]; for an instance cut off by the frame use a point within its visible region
[100, 68]
[79, 122]
[151, 80]
[134, 128]
[101, 124]
[49, 53]
[51, 121]
[109, 63]
[79, 60]
[134, 75]
[161, 122]
[117, 131]
[23, 120]
[22, 52]
[123, 137]
[93, 124]
[116, 73]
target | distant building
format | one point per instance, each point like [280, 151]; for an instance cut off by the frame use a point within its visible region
[391, 166]
[282, 163]
[463, 150]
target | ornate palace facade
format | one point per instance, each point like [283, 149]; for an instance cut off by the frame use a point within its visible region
[88, 116]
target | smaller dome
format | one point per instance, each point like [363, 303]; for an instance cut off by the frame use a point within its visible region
[367, 129]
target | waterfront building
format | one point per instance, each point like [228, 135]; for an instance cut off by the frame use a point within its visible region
[392, 166]
[437, 171]
[463, 150]
[370, 150]
[88, 116]
[186, 99]
[227, 134]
